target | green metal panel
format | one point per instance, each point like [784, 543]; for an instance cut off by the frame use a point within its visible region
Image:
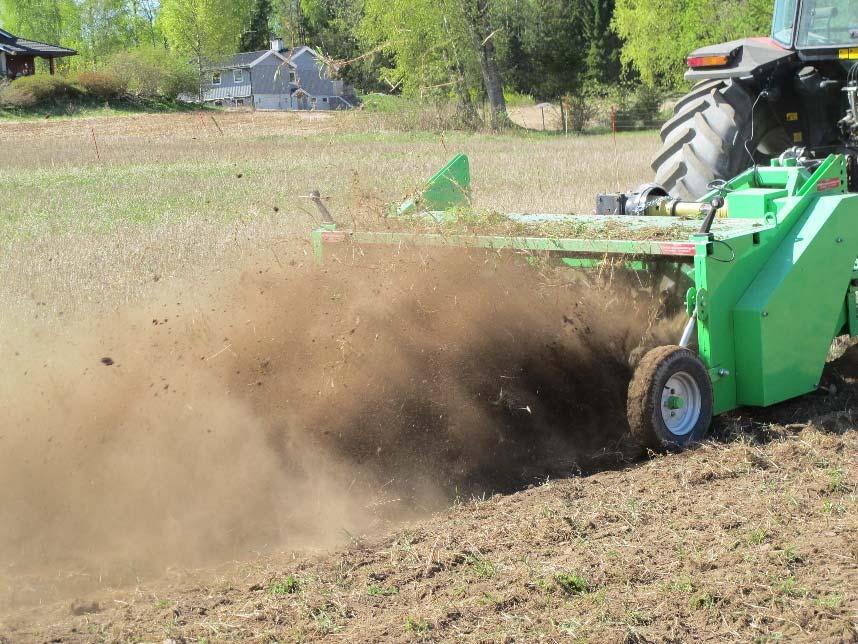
[722, 280]
[851, 323]
[589, 246]
[448, 188]
[752, 202]
[785, 320]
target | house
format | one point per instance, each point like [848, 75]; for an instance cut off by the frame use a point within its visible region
[18, 55]
[275, 79]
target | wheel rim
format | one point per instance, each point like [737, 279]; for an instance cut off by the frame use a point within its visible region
[681, 403]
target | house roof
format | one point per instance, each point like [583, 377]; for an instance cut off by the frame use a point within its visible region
[17, 46]
[247, 59]
[227, 93]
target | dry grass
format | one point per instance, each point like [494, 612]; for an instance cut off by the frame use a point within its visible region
[97, 210]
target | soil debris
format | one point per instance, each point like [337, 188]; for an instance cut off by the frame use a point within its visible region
[327, 403]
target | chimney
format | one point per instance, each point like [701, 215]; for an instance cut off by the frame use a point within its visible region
[277, 45]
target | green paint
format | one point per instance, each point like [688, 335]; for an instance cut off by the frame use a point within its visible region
[448, 188]
[675, 403]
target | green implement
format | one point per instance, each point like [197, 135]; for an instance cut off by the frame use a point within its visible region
[767, 263]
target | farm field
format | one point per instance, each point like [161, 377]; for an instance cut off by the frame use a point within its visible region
[208, 438]
[113, 203]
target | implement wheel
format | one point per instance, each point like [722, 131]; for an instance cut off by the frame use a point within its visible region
[705, 140]
[670, 399]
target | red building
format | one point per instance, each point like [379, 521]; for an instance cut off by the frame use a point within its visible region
[18, 55]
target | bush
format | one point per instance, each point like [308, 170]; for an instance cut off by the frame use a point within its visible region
[152, 72]
[29, 91]
[641, 108]
[582, 108]
[102, 86]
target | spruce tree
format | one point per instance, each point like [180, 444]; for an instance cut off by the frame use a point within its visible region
[257, 34]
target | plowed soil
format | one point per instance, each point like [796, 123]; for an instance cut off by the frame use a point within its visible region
[406, 447]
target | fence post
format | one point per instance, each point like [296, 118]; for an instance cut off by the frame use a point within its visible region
[95, 143]
[564, 110]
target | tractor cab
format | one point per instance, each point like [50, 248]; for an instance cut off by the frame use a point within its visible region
[814, 24]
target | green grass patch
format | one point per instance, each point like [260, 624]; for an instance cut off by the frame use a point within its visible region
[514, 99]
[387, 103]
[572, 583]
[377, 590]
[481, 567]
[830, 601]
[289, 586]
[417, 625]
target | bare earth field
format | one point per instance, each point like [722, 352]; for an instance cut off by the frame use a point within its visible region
[207, 438]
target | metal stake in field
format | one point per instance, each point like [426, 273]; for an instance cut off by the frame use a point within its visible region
[95, 143]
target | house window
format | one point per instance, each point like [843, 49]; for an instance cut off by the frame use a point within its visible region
[237, 76]
[239, 101]
[292, 77]
[216, 78]
[325, 99]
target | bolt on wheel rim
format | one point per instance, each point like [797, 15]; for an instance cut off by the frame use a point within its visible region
[681, 403]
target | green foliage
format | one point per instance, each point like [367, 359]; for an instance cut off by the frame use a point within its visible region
[204, 29]
[603, 44]
[572, 583]
[153, 72]
[417, 626]
[39, 19]
[432, 50]
[426, 42]
[289, 586]
[256, 37]
[102, 86]
[377, 590]
[659, 34]
[481, 567]
[29, 91]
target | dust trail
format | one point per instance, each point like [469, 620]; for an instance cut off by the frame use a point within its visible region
[279, 409]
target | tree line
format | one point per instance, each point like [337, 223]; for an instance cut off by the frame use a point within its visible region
[467, 51]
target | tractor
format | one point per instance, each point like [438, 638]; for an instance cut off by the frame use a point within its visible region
[753, 99]
[753, 212]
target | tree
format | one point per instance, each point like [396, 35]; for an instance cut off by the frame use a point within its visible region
[603, 49]
[38, 19]
[105, 26]
[257, 35]
[438, 49]
[547, 47]
[203, 29]
[659, 34]
[143, 18]
[53, 21]
[479, 22]
[289, 22]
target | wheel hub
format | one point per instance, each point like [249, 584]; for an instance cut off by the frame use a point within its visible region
[681, 403]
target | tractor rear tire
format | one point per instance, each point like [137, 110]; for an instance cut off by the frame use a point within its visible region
[670, 400]
[705, 139]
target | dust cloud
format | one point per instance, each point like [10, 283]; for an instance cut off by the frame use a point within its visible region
[287, 407]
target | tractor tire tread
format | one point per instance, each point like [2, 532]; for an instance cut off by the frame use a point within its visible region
[705, 137]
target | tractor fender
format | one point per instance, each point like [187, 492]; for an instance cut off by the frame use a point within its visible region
[749, 57]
